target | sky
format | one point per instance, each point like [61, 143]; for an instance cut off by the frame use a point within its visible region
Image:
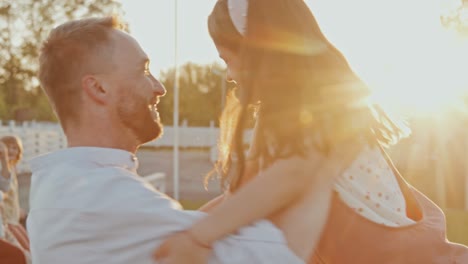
[347, 23]
[393, 45]
[152, 24]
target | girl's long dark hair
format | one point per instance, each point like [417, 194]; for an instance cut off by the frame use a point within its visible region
[305, 87]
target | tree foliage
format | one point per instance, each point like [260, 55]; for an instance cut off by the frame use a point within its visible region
[457, 19]
[24, 24]
[200, 94]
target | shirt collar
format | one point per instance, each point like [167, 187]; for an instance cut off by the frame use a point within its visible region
[100, 157]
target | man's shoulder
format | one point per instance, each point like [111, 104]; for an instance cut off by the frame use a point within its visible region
[97, 188]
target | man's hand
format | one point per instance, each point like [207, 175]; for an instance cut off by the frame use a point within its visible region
[181, 248]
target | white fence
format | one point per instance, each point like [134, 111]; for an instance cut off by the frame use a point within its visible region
[39, 138]
[188, 137]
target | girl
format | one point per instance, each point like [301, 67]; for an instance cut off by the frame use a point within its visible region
[309, 100]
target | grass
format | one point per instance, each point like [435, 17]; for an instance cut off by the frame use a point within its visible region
[192, 205]
[457, 225]
[457, 221]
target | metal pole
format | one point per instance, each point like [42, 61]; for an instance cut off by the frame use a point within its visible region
[176, 107]
[466, 176]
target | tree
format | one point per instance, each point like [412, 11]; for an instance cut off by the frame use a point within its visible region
[457, 19]
[24, 24]
[200, 94]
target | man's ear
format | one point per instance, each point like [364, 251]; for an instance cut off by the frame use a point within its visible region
[94, 88]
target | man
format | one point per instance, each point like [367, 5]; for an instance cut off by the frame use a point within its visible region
[88, 205]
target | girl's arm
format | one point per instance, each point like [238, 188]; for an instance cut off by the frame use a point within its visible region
[277, 187]
[281, 184]
[251, 170]
[212, 204]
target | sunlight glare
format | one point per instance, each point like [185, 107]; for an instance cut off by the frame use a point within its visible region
[400, 48]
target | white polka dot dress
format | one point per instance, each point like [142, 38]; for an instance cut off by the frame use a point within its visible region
[370, 188]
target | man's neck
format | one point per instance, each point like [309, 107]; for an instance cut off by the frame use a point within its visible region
[101, 136]
[100, 144]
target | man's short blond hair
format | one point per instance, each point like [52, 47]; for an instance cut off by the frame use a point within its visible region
[72, 50]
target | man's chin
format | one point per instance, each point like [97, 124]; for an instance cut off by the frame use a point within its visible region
[159, 130]
[152, 132]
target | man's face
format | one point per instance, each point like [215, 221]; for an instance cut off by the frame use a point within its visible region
[136, 92]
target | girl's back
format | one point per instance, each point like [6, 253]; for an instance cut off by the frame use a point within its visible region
[368, 186]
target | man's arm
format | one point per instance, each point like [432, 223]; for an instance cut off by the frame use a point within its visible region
[123, 221]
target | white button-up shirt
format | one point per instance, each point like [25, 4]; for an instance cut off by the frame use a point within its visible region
[88, 205]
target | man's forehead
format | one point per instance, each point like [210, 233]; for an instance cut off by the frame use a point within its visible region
[126, 44]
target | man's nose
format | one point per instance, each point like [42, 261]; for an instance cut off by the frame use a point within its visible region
[158, 87]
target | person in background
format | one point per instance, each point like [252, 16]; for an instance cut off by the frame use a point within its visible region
[5, 172]
[14, 154]
[11, 149]
[10, 252]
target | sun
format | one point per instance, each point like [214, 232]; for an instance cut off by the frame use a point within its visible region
[427, 80]
[400, 48]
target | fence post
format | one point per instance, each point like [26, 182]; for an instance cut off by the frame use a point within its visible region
[11, 126]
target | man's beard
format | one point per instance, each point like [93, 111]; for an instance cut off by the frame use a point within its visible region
[141, 122]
